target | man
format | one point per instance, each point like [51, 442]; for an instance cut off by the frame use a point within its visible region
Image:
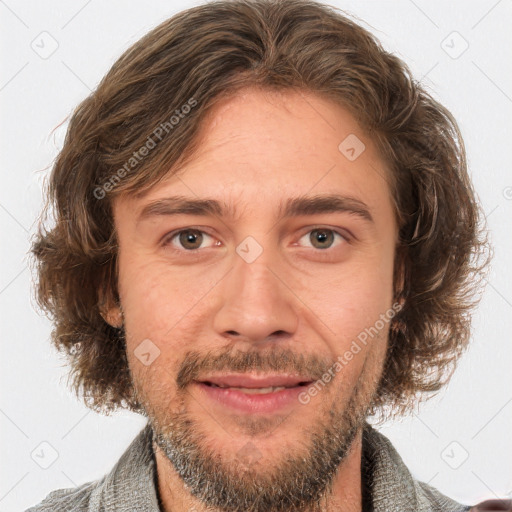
[265, 232]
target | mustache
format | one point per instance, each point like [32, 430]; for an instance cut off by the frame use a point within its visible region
[196, 364]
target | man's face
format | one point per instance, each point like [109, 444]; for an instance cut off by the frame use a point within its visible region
[253, 294]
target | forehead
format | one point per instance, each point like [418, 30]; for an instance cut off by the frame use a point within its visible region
[259, 146]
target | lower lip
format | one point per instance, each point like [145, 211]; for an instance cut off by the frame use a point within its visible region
[257, 403]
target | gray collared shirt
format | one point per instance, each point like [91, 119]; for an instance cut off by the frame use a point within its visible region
[131, 485]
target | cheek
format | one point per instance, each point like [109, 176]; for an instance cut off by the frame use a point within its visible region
[159, 300]
[356, 305]
[350, 298]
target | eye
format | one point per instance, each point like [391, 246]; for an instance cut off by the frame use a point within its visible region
[323, 238]
[192, 239]
[189, 239]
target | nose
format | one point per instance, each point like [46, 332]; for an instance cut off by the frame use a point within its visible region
[256, 304]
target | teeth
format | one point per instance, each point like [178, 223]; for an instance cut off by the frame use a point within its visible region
[253, 391]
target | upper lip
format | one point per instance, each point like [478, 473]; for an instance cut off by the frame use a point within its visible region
[256, 381]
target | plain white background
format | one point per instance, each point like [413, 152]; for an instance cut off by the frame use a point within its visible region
[459, 441]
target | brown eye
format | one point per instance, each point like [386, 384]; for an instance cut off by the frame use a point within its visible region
[321, 238]
[190, 239]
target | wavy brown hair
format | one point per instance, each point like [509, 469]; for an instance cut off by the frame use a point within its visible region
[209, 52]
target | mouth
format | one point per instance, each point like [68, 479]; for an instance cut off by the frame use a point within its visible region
[253, 393]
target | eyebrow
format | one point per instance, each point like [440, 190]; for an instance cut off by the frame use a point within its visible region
[293, 207]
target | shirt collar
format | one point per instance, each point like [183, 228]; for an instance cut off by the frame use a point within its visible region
[390, 485]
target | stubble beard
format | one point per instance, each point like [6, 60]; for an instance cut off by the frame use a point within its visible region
[300, 481]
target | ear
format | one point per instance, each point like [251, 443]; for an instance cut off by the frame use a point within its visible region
[111, 311]
[113, 316]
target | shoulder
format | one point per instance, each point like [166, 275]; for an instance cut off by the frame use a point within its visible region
[393, 487]
[442, 503]
[130, 485]
[432, 499]
[67, 500]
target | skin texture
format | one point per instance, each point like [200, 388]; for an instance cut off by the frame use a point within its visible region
[208, 309]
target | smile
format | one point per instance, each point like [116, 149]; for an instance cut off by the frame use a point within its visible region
[253, 394]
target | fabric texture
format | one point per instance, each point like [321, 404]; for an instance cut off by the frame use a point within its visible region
[388, 486]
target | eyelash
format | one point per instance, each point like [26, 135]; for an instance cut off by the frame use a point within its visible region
[167, 241]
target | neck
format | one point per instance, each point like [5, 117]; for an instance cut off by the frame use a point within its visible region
[345, 493]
